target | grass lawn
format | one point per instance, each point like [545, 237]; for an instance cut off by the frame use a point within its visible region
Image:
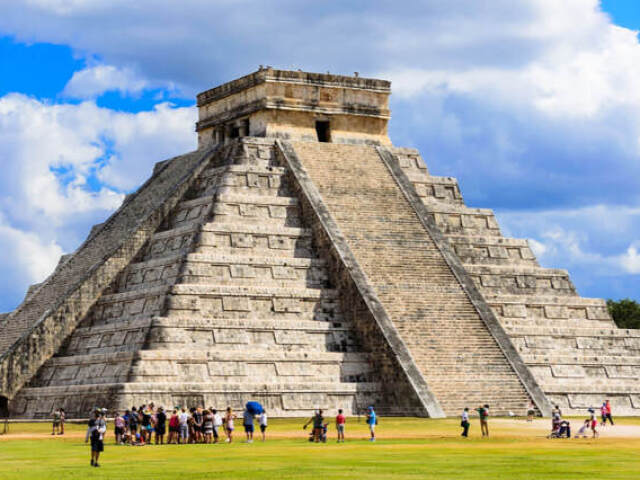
[406, 448]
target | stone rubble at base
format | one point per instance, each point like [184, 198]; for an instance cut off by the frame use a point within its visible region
[270, 266]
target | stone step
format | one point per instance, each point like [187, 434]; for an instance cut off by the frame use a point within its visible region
[547, 306]
[492, 250]
[586, 359]
[560, 330]
[443, 189]
[226, 269]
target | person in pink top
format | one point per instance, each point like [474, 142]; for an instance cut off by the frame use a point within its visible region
[608, 416]
[340, 421]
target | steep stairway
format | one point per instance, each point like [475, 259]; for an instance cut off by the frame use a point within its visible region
[459, 359]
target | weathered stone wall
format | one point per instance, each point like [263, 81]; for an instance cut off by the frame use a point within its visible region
[36, 330]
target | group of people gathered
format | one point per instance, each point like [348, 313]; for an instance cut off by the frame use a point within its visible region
[148, 424]
[561, 428]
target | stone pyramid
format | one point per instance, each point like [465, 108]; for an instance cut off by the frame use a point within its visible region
[297, 258]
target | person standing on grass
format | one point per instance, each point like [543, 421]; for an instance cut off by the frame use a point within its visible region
[160, 425]
[531, 412]
[63, 417]
[247, 423]
[317, 421]
[96, 429]
[372, 421]
[55, 427]
[608, 412]
[593, 422]
[262, 420]
[217, 423]
[340, 421]
[118, 428]
[207, 426]
[174, 427]
[483, 413]
[229, 425]
[464, 422]
[183, 420]
[133, 425]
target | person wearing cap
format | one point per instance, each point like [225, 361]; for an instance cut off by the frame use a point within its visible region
[97, 427]
[372, 421]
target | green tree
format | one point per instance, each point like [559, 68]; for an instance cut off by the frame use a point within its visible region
[625, 312]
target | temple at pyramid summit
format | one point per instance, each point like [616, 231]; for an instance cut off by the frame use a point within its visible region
[298, 258]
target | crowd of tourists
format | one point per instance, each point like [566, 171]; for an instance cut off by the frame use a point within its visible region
[148, 424]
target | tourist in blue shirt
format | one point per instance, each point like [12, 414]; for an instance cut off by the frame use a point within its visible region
[372, 421]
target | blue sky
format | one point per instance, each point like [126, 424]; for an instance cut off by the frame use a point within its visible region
[532, 104]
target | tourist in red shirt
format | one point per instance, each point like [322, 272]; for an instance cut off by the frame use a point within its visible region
[340, 421]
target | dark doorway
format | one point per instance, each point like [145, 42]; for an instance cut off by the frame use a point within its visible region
[323, 129]
[4, 407]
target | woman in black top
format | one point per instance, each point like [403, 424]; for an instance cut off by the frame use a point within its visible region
[160, 427]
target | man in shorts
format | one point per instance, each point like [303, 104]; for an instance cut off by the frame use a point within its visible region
[247, 422]
[95, 432]
[340, 421]
[372, 421]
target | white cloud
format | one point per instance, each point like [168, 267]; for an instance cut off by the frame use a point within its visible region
[95, 80]
[66, 167]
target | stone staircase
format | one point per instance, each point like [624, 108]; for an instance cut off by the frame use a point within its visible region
[457, 356]
[569, 343]
[227, 302]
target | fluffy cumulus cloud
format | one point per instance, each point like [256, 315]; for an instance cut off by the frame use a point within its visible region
[98, 79]
[66, 167]
[532, 104]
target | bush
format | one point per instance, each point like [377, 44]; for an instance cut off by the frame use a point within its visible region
[625, 312]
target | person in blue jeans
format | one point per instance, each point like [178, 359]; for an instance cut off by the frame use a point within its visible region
[372, 421]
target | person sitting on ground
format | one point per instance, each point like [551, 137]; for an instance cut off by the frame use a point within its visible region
[247, 423]
[340, 423]
[262, 421]
[317, 421]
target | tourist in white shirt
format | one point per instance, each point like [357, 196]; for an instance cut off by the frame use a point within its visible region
[465, 422]
[217, 423]
[262, 420]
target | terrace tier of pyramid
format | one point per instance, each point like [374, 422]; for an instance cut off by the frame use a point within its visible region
[227, 302]
[569, 343]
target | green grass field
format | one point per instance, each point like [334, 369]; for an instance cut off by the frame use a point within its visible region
[406, 448]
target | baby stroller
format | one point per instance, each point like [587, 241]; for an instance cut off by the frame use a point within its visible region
[561, 430]
[323, 435]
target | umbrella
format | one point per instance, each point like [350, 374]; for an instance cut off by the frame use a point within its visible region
[254, 408]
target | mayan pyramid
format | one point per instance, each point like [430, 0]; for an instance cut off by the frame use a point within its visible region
[299, 259]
